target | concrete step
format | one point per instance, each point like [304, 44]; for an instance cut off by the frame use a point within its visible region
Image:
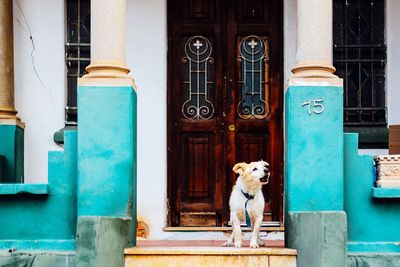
[195, 254]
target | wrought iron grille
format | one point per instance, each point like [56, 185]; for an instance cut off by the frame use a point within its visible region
[359, 55]
[253, 78]
[198, 79]
[77, 52]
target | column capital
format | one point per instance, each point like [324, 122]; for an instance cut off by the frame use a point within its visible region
[106, 70]
[314, 70]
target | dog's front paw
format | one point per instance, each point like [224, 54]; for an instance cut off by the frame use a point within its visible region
[238, 244]
[254, 243]
[228, 244]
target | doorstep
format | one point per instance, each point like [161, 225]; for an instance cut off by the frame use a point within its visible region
[193, 253]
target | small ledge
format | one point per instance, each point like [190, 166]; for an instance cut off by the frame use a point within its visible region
[379, 192]
[16, 189]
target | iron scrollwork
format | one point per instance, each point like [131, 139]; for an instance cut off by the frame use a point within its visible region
[198, 51]
[253, 62]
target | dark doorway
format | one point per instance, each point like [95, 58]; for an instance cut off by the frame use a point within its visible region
[224, 104]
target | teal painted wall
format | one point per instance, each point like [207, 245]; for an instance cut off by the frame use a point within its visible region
[106, 150]
[373, 223]
[314, 149]
[30, 221]
[12, 148]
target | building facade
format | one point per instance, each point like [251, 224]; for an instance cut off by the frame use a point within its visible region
[187, 118]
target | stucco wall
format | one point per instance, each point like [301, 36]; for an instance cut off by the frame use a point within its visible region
[39, 79]
[147, 57]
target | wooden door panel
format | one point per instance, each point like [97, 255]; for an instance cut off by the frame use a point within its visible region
[221, 108]
[198, 163]
[198, 11]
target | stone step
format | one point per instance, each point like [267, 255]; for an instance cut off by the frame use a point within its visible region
[195, 254]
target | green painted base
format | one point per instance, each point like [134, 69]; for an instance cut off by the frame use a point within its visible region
[44, 216]
[373, 260]
[38, 244]
[11, 154]
[318, 237]
[38, 259]
[373, 222]
[101, 241]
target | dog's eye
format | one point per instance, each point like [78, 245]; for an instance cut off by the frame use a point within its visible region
[254, 169]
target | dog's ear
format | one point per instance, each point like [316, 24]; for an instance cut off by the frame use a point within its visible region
[240, 168]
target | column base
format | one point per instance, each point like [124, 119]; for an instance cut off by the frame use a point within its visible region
[320, 238]
[101, 240]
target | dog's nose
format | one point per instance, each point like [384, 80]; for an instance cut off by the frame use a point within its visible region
[266, 171]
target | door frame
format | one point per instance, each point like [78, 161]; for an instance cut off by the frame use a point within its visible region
[171, 200]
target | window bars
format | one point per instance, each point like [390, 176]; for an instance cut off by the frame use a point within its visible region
[359, 55]
[77, 52]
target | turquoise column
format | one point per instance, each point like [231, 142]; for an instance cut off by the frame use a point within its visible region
[106, 150]
[106, 172]
[315, 222]
[314, 147]
[11, 153]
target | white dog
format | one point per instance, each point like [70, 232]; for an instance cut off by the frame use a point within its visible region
[247, 197]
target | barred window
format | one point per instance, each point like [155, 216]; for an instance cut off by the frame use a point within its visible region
[77, 52]
[359, 55]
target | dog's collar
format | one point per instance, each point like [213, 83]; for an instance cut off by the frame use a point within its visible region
[247, 195]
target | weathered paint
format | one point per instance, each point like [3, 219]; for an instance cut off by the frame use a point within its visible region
[12, 148]
[101, 241]
[314, 149]
[106, 150]
[373, 260]
[30, 221]
[373, 223]
[38, 259]
[15, 189]
[318, 237]
[209, 256]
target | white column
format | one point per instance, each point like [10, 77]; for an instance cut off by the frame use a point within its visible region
[108, 33]
[314, 39]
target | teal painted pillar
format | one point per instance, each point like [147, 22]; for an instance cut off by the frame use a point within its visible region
[11, 153]
[315, 222]
[106, 150]
[314, 145]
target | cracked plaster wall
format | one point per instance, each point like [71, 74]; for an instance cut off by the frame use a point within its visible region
[39, 79]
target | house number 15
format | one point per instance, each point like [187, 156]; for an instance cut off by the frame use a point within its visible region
[314, 106]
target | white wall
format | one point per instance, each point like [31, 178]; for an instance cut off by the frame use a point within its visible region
[39, 79]
[393, 60]
[147, 58]
[290, 33]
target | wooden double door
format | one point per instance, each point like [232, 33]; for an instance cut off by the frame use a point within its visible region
[224, 104]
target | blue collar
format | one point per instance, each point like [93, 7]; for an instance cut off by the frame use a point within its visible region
[247, 195]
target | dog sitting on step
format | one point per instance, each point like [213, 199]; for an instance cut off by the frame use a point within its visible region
[247, 201]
